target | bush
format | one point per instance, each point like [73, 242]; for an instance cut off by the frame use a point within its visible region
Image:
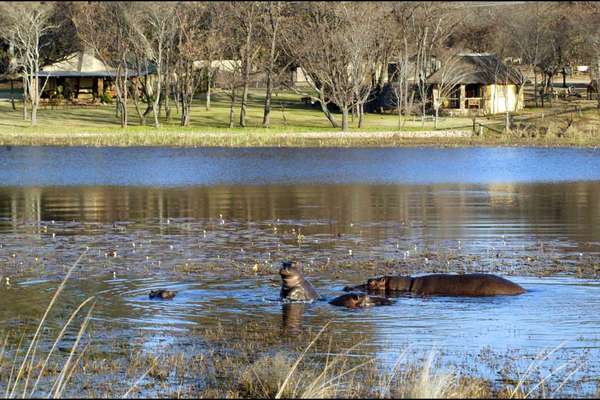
[105, 98]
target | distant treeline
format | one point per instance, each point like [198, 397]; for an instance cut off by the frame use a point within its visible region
[345, 49]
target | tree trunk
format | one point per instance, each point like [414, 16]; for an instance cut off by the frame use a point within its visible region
[176, 97]
[12, 95]
[208, 91]
[267, 111]
[399, 109]
[435, 121]
[326, 111]
[167, 104]
[535, 86]
[231, 106]
[141, 115]
[244, 96]
[25, 97]
[33, 114]
[34, 96]
[345, 119]
[157, 100]
[598, 91]
[507, 122]
[361, 115]
[543, 90]
[124, 103]
[185, 110]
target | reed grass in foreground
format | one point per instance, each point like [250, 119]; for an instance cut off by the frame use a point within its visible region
[29, 367]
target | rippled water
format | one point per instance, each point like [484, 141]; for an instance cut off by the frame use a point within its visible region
[199, 220]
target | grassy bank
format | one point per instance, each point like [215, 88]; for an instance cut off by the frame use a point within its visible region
[292, 124]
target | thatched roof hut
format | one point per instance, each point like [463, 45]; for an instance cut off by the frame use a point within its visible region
[481, 68]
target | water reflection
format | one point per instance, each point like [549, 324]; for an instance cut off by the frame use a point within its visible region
[429, 213]
[292, 315]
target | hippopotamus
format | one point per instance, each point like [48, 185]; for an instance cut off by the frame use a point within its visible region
[293, 284]
[162, 294]
[358, 300]
[443, 285]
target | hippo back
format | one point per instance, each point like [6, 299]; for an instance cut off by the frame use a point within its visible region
[465, 285]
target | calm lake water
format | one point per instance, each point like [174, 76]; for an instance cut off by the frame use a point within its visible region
[199, 220]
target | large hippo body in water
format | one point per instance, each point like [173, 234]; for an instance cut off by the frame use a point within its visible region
[445, 285]
[294, 286]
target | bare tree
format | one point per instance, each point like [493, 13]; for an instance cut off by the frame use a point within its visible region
[451, 73]
[105, 27]
[213, 46]
[590, 24]
[272, 22]
[304, 59]
[403, 50]
[242, 25]
[323, 46]
[431, 25]
[24, 25]
[528, 33]
[362, 33]
[153, 26]
[189, 20]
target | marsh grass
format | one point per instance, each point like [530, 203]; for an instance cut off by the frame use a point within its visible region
[24, 370]
[245, 363]
[319, 368]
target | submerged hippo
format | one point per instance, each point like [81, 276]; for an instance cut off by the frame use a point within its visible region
[358, 300]
[162, 294]
[444, 285]
[293, 284]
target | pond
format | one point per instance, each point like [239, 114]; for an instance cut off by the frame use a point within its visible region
[215, 224]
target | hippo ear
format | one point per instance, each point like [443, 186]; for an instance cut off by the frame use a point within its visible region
[355, 297]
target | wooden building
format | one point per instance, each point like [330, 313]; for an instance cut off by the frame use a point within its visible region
[80, 75]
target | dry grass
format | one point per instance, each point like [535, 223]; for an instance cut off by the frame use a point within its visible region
[30, 366]
[242, 363]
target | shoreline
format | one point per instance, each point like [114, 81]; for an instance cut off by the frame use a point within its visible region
[191, 139]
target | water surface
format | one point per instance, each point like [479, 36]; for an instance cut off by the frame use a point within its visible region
[215, 224]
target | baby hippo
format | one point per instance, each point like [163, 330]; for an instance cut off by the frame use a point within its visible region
[446, 285]
[294, 286]
[162, 294]
[359, 300]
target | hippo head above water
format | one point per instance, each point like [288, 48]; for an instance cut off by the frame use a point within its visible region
[291, 274]
[359, 300]
[397, 283]
[293, 284]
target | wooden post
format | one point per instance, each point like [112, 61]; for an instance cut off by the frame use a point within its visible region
[100, 88]
[462, 97]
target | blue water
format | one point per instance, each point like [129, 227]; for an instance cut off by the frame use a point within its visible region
[77, 166]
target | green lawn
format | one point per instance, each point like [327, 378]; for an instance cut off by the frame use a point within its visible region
[288, 114]
[291, 123]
